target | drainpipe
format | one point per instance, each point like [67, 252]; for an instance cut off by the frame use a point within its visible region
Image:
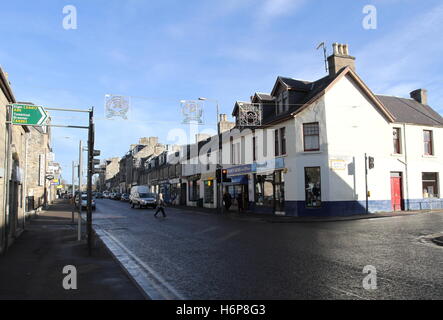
[406, 167]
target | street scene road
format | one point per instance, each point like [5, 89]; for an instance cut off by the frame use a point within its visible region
[195, 255]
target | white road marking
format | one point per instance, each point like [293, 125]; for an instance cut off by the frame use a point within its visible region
[348, 293]
[149, 270]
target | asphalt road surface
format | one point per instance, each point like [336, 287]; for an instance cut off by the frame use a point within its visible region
[194, 255]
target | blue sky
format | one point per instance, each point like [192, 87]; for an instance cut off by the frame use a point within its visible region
[161, 52]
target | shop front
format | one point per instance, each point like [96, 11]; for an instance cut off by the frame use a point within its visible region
[209, 189]
[194, 198]
[238, 188]
[175, 191]
[269, 191]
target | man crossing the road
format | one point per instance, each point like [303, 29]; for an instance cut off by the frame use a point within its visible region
[160, 206]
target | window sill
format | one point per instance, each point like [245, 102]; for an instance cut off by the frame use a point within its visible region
[428, 156]
[398, 155]
[312, 152]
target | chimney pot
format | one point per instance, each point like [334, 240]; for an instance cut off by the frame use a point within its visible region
[420, 95]
[334, 47]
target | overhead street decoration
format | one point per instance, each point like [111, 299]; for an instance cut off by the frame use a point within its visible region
[192, 111]
[116, 107]
[25, 114]
[250, 115]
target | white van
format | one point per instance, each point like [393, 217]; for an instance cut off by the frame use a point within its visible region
[141, 197]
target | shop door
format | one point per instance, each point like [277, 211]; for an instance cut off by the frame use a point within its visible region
[396, 193]
[183, 194]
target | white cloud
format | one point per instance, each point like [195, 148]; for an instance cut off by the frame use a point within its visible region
[273, 9]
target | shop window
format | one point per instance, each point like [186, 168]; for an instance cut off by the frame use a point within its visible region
[396, 138]
[313, 187]
[311, 136]
[194, 192]
[428, 143]
[430, 185]
[264, 190]
[209, 191]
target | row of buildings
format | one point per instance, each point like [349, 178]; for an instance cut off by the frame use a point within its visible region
[323, 148]
[26, 163]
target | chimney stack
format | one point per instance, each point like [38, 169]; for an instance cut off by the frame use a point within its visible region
[201, 136]
[340, 59]
[420, 95]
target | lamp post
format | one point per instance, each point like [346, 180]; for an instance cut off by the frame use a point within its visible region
[219, 166]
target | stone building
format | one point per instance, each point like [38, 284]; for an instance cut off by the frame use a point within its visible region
[12, 169]
[38, 156]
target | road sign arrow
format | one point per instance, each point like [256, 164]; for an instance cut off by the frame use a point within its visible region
[25, 114]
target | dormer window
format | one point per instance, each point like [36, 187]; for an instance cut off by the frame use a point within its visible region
[282, 102]
[285, 101]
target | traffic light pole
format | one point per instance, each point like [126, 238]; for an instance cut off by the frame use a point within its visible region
[89, 179]
[366, 182]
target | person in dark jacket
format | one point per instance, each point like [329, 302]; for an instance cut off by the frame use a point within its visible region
[227, 200]
[160, 205]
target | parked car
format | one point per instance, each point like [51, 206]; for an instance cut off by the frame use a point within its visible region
[117, 196]
[141, 197]
[124, 197]
[105, 194]
[112, 195]
[99, 195]
[84, 201]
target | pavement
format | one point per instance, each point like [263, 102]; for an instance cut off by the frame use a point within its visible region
[232, 214]
[193, 254]
[32, 266]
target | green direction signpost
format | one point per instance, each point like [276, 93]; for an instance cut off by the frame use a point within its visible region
[24, 114]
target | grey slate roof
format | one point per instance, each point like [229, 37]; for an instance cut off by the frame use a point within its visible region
[410, 111]
[264, 96]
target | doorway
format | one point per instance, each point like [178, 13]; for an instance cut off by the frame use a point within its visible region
[396, 191]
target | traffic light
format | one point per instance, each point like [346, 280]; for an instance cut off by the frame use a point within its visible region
[225, 176]
[96, 153]
[218, 175]
[371, 162]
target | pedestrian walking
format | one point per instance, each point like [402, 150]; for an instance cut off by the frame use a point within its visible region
[227, 199]
[160, 206]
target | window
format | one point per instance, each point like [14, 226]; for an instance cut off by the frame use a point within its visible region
[428, 143]
[254, 148]
[283, 140]
[396, 137]
[312, 187]
[264, 190]
[311, 136]
[285, 101]
[231, 143]
[430, 184]
[276, 143]
[209, 191]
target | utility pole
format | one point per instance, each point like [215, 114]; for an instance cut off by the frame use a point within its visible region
[89, 179]
[80, 175]
[73, 191]
[366, 182]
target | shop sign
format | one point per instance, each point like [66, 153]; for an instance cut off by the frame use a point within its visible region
[336, 164]
[240, 170]
[270, 165]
